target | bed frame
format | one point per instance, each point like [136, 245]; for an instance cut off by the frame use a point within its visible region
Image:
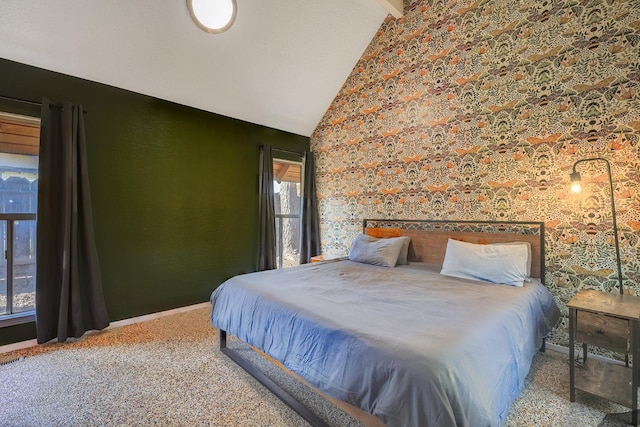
[428, 244]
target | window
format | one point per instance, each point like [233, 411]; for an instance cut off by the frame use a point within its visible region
[287, 188]
[19, 145]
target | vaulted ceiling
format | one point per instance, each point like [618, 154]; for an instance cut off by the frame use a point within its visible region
[280, 64]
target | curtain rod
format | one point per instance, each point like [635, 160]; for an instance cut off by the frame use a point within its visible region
[38, 104]
[24, 101]
[286, 151]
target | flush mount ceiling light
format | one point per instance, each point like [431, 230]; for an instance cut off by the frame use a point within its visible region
[213, 16]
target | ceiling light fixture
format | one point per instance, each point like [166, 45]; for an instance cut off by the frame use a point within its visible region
[213, 16]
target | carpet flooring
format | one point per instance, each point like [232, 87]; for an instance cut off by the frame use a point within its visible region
[169, 372]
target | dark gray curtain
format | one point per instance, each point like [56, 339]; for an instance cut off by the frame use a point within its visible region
[310, 235]
[69, 298]
[267, 213]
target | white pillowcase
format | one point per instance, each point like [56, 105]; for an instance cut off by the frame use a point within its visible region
[371, 250]
[496, 263]
[528, 246]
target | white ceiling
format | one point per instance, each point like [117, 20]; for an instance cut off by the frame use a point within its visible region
[280, 65]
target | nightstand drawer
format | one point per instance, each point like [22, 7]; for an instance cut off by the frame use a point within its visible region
[602, 330]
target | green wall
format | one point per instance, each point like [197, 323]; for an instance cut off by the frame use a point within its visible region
[174, 191]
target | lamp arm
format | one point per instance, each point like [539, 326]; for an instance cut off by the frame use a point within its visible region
[591, 159]
[613, 213]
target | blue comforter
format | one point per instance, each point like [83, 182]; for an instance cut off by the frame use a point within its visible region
[405, 344]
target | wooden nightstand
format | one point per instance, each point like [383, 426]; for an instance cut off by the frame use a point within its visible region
[319, 258]
[610, 321]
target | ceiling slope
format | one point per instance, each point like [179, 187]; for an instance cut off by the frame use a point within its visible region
[280, 65]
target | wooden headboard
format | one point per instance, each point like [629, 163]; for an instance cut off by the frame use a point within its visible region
[429, 237]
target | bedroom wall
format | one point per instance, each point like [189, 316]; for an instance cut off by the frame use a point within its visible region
[174, 191]
[477, 111]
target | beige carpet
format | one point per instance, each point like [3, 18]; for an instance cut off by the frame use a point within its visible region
[169, 372]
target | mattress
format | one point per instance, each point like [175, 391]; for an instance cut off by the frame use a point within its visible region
[405, 344]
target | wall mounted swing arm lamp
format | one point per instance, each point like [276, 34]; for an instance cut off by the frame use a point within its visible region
[575, 187]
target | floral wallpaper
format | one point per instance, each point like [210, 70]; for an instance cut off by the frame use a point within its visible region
[477, 111]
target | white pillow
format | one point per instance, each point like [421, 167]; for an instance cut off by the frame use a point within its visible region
[528, 246]
[499, 263]
[371, 250]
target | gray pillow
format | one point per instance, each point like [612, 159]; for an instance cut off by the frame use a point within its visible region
[404, 252]
[371, 250]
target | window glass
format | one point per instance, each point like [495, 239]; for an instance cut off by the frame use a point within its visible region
[287, 187]
[19, 145]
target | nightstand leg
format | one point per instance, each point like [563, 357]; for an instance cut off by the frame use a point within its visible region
[572, 378]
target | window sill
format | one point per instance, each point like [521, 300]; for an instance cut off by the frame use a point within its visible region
[17, 318]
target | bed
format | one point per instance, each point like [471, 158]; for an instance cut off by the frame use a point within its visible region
[406, 344]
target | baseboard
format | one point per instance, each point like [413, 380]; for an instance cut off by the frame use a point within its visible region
[558, 348]
[578, 353]
[152, 316]
[32, 343]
